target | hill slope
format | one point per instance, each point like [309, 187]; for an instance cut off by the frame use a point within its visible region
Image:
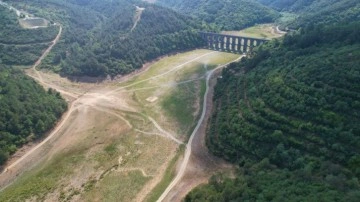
[227, 15]
[318, 11]
[290, 118]
[98, 38]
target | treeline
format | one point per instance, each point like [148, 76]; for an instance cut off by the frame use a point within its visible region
[27, 110]
[289, 117]
[225, 15]
[98, 39]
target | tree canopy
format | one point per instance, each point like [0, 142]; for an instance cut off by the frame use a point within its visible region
[27, 110]
[317, 11]
[225, 15]
[289, 117]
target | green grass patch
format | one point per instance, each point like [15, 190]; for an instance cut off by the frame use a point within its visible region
[180, 104]
[111, 149]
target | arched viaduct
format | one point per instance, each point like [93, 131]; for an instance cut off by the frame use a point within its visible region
[236, 44]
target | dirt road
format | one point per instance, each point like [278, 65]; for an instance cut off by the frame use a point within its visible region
[46, 52]
[189, 145]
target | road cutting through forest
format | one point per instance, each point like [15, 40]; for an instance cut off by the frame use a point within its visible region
[45, 53]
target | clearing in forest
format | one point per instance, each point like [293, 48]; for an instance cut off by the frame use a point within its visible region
[33, 23]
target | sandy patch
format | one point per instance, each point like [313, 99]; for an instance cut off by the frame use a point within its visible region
[152, 99]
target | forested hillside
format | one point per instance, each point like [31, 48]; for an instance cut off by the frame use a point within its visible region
[20, 46]
[288, 5]
[318, 11]
[100, 38]
[226, 15]
[289, 117]
[27, 110]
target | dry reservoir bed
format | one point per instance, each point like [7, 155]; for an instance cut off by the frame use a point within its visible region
[117, 139]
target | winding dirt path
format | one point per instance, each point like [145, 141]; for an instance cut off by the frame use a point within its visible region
[189, 145]
[46, 52]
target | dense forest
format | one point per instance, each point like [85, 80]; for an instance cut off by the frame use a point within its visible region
[317, 11]
[100, 37]
[225, 15]
[27, 110]
[20, 46]
[289, 117]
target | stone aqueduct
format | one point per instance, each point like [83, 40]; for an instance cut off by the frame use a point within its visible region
[236, 44]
